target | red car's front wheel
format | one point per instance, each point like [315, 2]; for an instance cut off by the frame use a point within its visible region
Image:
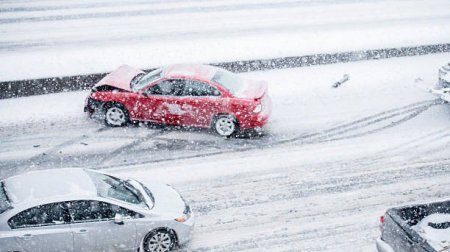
[116, 115]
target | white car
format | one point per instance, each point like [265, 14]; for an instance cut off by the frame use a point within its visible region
[84, 210]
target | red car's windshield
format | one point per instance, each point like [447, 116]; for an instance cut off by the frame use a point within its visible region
[228, 80]
[140, 82]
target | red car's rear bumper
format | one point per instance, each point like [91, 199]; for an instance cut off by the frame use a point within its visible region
[257, 120]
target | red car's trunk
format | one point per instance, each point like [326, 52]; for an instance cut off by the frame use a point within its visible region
[252, 90]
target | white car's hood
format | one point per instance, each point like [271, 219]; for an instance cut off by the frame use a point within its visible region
[166, 199]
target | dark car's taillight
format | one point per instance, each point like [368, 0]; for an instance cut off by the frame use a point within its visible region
[382, 223]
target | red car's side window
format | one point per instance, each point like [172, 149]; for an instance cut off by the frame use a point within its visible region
[167, 88]
[196, 88]
[182, 87]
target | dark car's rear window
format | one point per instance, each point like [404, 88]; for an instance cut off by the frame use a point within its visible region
[4, 201]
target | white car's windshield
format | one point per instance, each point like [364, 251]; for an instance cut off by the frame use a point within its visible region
[228, 80]
[4, 201]
[141, 81]
[114, 188]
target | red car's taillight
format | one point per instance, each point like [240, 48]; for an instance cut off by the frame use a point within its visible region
[257, 109]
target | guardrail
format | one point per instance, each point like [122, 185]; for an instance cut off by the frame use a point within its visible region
[20, 88]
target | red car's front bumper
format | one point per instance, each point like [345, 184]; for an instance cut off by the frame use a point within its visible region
[91, 106]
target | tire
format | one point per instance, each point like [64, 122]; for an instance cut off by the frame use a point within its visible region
[116, 115]
[225, 125]
[160, 240]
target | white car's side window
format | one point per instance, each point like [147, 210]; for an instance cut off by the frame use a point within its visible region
[92, 210]
[44, 215]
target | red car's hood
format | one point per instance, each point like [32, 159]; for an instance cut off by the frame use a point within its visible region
[252, 89]
[120, 78]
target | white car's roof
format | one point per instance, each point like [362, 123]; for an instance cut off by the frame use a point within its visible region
[47, 184]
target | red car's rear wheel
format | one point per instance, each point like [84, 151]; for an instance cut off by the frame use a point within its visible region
[225, 125]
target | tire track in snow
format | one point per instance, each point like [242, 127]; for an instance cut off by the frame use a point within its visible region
[151, 12]
[58, 147]
[288, 188]
[439, 135]
[373, 196]
[122, 149]
[414, 113]
[189, 149]
[24, 165]
[313, 213]
[410, 111]
[308, 214]
[273, 241]
[336, 133]
[142, 36]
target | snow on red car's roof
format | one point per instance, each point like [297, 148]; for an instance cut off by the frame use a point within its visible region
[190, 70]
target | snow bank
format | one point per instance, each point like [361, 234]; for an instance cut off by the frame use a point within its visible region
[53, 39]
[62, 106]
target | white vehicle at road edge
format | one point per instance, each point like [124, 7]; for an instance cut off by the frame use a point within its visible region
[444, 76]
[444, 93]
[85, 210]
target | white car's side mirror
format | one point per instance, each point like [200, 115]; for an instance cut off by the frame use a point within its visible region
[118, 219]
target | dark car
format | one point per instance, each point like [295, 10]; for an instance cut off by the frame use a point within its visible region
[418, 228]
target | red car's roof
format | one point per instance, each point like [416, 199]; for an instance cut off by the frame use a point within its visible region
[190, 70]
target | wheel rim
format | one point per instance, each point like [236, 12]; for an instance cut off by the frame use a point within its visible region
[225, 126]
[115, 116]
[159, 242]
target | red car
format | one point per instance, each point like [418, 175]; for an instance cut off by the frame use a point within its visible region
[184, 94]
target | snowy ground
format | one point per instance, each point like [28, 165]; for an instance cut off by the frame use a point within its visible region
[332, 162]
[67, 37]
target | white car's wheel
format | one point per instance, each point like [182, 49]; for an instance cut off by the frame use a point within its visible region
[116, 116]
[159, 241]
[225, 125]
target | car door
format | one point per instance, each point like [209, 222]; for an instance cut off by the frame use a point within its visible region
[160, 102]
[202, 101]
[94, 228]
[43, 228]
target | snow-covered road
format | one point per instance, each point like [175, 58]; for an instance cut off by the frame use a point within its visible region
[332, 161]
